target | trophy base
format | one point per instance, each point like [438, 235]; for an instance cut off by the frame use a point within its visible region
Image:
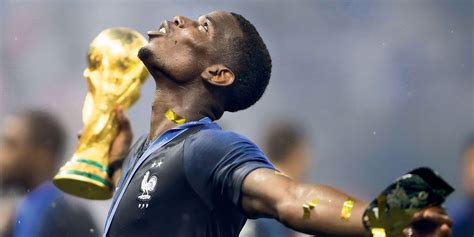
[84, 185]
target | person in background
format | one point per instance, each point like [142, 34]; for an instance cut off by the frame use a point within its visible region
[463, 215]
[288, 149]
[31, 146]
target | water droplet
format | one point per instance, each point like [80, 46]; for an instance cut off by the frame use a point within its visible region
[19, 222]
[185, 217]
[452, 32]
[91, 230]
[374, 132]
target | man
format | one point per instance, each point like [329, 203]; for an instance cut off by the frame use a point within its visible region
[31, 146]
[464, 213]
[196, 179]
[286, 145]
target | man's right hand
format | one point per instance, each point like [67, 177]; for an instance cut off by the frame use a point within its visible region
[122, 141]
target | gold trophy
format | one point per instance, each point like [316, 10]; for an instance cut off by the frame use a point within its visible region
[114, 76]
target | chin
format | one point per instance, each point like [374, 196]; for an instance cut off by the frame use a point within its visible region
[151, 61]
[145, 54]
[148, 58]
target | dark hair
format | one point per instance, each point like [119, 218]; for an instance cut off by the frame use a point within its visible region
[281, 138]
[46, 131]
[251, 63]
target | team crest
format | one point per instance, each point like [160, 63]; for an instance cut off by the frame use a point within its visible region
[148, 186]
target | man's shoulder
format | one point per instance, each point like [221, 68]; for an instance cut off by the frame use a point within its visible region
[217, 137]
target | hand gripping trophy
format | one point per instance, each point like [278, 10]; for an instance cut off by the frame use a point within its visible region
[114, 76]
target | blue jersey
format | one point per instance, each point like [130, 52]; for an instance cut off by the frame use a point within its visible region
[186, 183]
[47, 212]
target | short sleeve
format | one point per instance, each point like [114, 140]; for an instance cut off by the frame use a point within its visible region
[216, 163]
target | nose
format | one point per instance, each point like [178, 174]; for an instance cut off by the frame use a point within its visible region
[181, 21]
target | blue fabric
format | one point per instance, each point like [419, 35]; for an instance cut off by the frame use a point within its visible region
[30, 215]
[217, 161]
[155, 145]
[463, 217]
[264, 227]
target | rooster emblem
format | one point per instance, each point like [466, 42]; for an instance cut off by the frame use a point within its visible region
[148, 185]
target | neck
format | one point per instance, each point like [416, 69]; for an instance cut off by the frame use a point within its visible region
[187, 100]
[39, 177]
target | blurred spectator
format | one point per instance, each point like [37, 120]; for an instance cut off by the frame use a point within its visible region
[463, 215]
[31, 146]
[286, 146]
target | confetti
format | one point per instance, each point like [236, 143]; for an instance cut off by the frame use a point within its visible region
[308, 207]
[313, 203]
[306, 211]
[378, 232]
[171, 115]
[347, 209]
[280, 173]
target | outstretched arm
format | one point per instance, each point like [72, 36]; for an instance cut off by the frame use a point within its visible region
[269, 194]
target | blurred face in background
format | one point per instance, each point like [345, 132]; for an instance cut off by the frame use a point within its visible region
[297, 162]
[15, 150]
[469, 171]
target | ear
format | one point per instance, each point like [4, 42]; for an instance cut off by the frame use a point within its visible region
[218, 75]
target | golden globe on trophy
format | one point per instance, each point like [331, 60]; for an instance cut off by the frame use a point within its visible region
[114, 76]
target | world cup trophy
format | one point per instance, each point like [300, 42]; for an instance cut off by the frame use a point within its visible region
[114, 76]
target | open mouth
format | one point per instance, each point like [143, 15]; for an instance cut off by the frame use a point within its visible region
[162, 31]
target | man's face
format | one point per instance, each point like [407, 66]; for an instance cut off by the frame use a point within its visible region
[15, 150]
[181, 49]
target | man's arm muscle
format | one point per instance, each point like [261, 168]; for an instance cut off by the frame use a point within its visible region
[267, 194]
